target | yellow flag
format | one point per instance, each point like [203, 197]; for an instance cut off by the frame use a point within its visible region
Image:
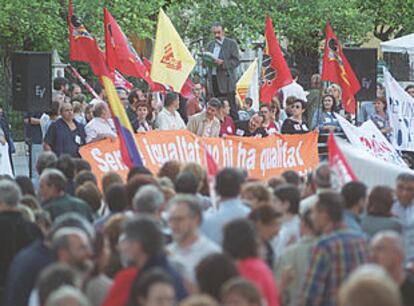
[244, 84]
[172, 62]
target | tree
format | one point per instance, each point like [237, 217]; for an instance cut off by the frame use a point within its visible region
[392, 18]
[40, 25]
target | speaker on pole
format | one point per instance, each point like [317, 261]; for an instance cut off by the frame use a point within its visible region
[364, 64]
[31, 81]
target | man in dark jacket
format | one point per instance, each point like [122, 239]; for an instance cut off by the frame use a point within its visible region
[251, 127]
[222, 74]
[54, 198]
[15, 231]
[31, 260]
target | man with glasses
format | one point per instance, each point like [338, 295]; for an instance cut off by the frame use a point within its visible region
[252, 127]
[222, 73]
[189, 246]
[268, 124]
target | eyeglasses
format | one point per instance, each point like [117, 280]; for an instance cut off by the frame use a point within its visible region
[177, 219]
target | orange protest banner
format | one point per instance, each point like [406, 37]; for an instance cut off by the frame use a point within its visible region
[261, 157]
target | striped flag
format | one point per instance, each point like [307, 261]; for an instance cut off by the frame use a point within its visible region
[128, 146]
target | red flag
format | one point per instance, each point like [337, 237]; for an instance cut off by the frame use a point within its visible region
[187, 89]
[275, 71]
[336, 69]
[120, 53]
[340, 167]
[212, 167]
[83, 46]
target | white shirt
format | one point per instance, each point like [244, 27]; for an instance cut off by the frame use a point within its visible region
[44, 120]
[97, 128]
[289, 233]
[216, 53]
[167, 121]
[293, 89]
[406, 216]
[310, 201]
[191, 256]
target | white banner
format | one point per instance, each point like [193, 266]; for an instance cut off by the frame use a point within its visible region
[369, 138]
[5, 166]
[400, 107]
[370, 170]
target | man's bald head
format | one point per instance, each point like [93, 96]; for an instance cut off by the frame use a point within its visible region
[387, 250]
[322, 176]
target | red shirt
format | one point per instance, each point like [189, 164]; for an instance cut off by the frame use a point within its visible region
[271, 128]
[256, 271]
[193, 107]
[118, 294]
[227, 126]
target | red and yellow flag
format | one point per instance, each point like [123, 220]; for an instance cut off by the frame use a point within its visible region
[336, 69]
[172, 62]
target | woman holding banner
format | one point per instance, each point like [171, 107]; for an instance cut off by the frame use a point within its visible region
[295, 124]
[325, 119]
[380, 117]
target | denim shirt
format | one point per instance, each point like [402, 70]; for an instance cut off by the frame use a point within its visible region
[325, 119]
[216, 218]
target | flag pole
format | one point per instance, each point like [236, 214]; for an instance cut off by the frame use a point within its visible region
[82, 80]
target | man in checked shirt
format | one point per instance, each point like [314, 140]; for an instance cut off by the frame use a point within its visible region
[337, 253]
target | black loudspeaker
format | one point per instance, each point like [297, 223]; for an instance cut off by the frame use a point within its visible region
[364, 64]
[31, 81]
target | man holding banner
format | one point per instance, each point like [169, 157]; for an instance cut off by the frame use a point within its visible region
[222, 72]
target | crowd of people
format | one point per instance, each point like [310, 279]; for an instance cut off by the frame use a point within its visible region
[72, 122]
[211, 111]
[166, 238]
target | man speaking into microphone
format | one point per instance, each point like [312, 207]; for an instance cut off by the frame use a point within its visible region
[221, 75]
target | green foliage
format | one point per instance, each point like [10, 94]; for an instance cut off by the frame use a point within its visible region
[392, 18]
[42, 24]
[31, 25]
[302, 22]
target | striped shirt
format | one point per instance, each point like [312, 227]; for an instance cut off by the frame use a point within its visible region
[333, 258]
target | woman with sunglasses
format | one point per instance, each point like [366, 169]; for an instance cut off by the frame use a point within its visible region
[295, 124]
[324, 118]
